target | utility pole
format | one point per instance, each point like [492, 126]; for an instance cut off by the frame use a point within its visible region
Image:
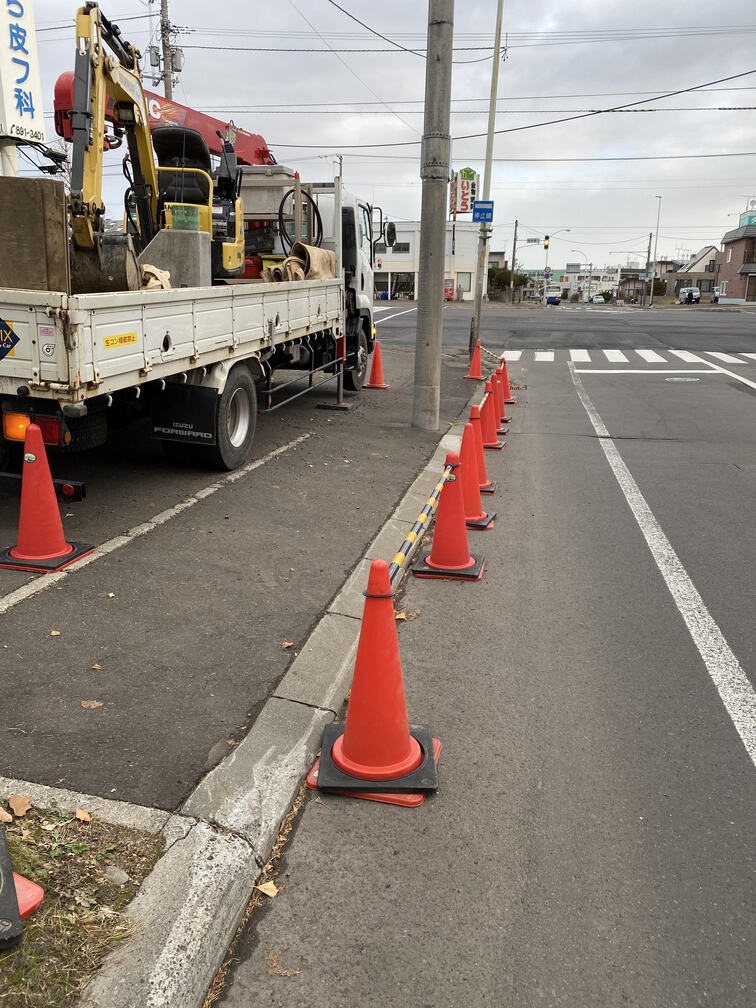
[648, 269]
[480, 266]
[512, 267]
[165, 35]
[435, 157]
[656, 246]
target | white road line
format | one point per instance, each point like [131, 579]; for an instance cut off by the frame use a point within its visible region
[615, 356]
[544, 355]
[651, 356]
[732, 684]
[580, 355]
[752, 356]
[725, 357]
[382, 308]
[687, 356]
[643, 370]
[382, 320]
[718, 368]
[512, 355]
[47, 580]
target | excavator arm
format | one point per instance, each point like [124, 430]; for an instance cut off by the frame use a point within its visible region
[99, 261]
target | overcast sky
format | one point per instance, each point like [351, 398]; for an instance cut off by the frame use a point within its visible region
[561, 59]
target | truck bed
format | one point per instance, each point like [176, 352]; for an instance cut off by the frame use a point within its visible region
[71, 348]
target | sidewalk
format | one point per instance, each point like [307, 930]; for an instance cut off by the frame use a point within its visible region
[578, 851]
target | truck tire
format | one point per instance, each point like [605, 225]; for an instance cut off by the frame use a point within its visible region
[354, 377]
[236, 421]
[87, 432]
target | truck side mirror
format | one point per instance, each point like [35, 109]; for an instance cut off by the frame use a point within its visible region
[390, 234]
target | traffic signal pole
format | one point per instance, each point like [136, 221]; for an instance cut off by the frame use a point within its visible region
[480, 264]
[434, 172]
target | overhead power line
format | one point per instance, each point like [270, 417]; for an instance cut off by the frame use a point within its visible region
[372, 31]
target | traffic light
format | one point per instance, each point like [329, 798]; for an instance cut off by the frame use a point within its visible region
[546, 242]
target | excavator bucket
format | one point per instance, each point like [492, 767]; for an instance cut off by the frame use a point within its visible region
[110, 266]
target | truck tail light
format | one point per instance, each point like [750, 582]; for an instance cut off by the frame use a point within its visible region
[15, 424]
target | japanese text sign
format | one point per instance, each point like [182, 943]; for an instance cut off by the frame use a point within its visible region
[21, 112]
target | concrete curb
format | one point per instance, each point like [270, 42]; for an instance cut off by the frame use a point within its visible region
[189, 907]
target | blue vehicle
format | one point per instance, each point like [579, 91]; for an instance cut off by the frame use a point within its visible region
[553, 294]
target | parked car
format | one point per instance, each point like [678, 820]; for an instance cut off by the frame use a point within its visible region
[689, 295]
[715, 295]
[597, 299]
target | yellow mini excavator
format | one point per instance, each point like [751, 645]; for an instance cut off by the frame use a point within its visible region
[180, 193]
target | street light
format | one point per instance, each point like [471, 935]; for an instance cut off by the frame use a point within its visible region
[547, 238]
[590, 270]
[656, 244]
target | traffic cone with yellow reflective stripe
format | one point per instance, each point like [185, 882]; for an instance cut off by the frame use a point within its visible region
[449, 557]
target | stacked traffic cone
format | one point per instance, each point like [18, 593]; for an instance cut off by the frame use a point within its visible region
[499, 387]
[475, 516]
[41, 546]
[449, 556]
[488, 420]
[377, 754]
[498, 405]
[376, 372]
[486, 485]
[475, 374]
[502, 369]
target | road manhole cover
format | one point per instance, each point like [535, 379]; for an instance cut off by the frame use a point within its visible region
[682, 379]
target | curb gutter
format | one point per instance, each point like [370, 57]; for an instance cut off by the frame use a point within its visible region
[189, 907]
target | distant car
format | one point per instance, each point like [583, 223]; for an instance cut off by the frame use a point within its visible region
[597, 299]
[689, 295]
[553, 299]
[715, 295]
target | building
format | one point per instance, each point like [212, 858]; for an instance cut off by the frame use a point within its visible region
[737, 274]
[699, 271]
[577, 278]
[497, 260]
[397, 268]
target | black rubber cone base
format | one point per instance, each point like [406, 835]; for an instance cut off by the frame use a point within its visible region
[474, 573]
[332, 778]
[45, 566]
[339, 407]
[503, 430]
[490, 490]
[486, 522]
[496, 446]
[506, 419]
[510, 402]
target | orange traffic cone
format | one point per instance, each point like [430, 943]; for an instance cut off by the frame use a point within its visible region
[486, 486]
[488, 420]
[502, 369]
[498, 403]
[503, 418]
[29, 895]
[475, 516]
[475, 374]
[449, 556]
[41, 546]
[376, 372]
[377, 754]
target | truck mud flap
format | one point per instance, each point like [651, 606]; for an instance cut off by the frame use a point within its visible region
[185, 413]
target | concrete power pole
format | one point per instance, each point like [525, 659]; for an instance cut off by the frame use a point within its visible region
[512, 266]
[480, 266]
[648, 269]
[434, 172]
[165, 35]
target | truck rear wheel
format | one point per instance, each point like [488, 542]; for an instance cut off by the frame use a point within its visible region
[236, 421]
[355, 376]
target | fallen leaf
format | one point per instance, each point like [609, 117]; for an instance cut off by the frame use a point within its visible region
[348, 461]
[318, 800]
[276, 969]
[231, 742]
[96, 667]
[111, 594]
[269, 889]
[286, 644]
[412, 615]
[82, 816]
[400, 615]
[4, 817]
[91, 704]
[55, 633]
[20, 804]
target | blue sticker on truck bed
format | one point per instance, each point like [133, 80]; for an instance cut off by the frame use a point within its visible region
[8, 338]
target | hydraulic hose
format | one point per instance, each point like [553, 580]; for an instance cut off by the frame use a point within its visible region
[286, 241]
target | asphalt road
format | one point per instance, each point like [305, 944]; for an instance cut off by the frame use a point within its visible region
[592, 840]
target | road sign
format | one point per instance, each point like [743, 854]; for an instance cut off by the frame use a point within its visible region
[532, 241]
[483, 211]
[547, 272]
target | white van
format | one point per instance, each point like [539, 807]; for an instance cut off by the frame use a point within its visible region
[683, 295]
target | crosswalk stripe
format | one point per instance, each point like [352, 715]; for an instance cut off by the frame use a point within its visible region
[651, 356]
[544, 355]
[724, 357]
[751, 355]
[512, 355]
[580, 355]
[687, 356]
[615, 356]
